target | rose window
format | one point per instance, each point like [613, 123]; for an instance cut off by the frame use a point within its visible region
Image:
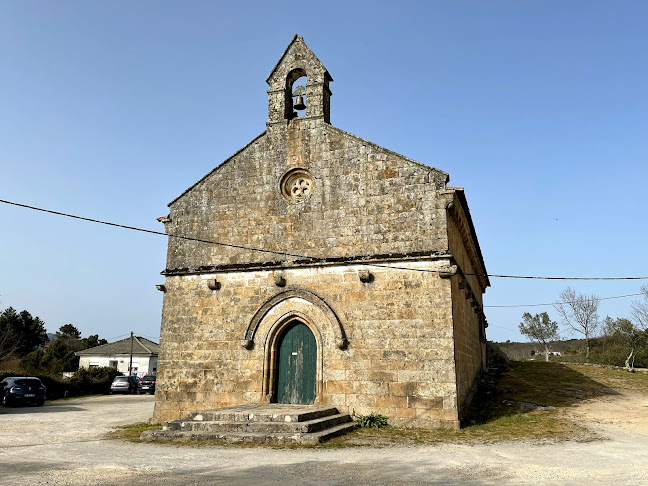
[297, 185]
[300, 188]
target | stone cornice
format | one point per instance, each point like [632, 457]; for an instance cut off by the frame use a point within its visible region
[308, 262]
[457, 210]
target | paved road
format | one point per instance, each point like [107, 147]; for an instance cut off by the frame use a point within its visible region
[61, 444]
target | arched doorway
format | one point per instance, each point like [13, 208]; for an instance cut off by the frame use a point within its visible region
[296, 378]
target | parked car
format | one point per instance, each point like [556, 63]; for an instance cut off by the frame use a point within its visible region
[146, 384]
[22, 389]
[124, 384]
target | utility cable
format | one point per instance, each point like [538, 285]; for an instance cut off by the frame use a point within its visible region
[134, 228]
[558, 303]
[283, 253]
[502, 327]
[149, 337]
[121, 335]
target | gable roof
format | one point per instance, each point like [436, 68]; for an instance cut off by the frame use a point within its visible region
[141, 346]
[297, 42]
[461, 196]
[249, 144]
[443, 175]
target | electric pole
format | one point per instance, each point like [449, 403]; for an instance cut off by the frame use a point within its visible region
[130, 363]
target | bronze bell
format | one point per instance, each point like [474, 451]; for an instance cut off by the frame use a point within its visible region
[299, 103]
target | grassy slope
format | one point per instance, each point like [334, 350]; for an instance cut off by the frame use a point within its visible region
[501, 409]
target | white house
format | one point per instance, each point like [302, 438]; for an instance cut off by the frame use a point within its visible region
[118, 355]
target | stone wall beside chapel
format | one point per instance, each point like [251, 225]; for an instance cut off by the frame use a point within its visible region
[467, 303]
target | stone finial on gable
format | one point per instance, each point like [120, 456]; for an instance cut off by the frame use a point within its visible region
[298, 61]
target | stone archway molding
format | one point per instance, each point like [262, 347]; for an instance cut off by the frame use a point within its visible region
[340, 336]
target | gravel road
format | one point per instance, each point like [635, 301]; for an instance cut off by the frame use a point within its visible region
[62, 444]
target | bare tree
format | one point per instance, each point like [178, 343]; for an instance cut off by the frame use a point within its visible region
[640, 310]
[541, 329]
[639, 337]
[580, 313]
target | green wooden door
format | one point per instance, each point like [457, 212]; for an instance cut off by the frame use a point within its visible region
[297, 361]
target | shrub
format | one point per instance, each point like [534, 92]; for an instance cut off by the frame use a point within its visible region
[94, 380]
[59, 387]
[83, 382]
[370, 421]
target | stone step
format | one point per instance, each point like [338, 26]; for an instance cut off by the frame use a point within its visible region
[273, 413]
[260, 424]
[303, 427]
[252, 437]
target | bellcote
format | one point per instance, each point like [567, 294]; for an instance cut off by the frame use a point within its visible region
[297, 62]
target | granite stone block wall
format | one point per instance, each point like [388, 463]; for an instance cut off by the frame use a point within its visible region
[371, 250]
[366, 200]
[399, 360]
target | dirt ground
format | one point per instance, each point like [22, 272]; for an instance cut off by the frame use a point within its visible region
[63, 443]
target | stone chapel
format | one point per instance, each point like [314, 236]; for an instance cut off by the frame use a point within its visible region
[342, 273]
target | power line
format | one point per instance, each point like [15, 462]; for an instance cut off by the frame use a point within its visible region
[121, 335]
[128, 334]
[502, 327]
[150, 337]
[558, 303]
[134, 228]
[283, 253]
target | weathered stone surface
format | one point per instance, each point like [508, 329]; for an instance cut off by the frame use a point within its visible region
[371, 250]
[280, 424]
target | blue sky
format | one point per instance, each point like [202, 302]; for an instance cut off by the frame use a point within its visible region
[111, 109]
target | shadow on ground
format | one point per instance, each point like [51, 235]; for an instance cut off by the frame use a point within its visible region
[531, 386]
[325, 473]
[45, 409]
[306, 473]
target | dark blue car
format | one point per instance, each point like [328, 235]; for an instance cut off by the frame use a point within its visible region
[22, 389]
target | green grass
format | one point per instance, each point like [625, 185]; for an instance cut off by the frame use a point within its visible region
[132, 432]
[615, 378]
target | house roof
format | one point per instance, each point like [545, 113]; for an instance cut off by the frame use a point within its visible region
[141, 347]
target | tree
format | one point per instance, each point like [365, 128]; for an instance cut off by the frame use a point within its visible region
[68, 330]
[639, 338]
[580, 313]
[625, 338]
[92, 341]
[62, 357]
[540, 329]
[8, 337]
[59, 355]
[23, 336]
[33, 332]
[20, 333]
[640, 310]
[69, 337]
[33, 362]
[636, 341]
